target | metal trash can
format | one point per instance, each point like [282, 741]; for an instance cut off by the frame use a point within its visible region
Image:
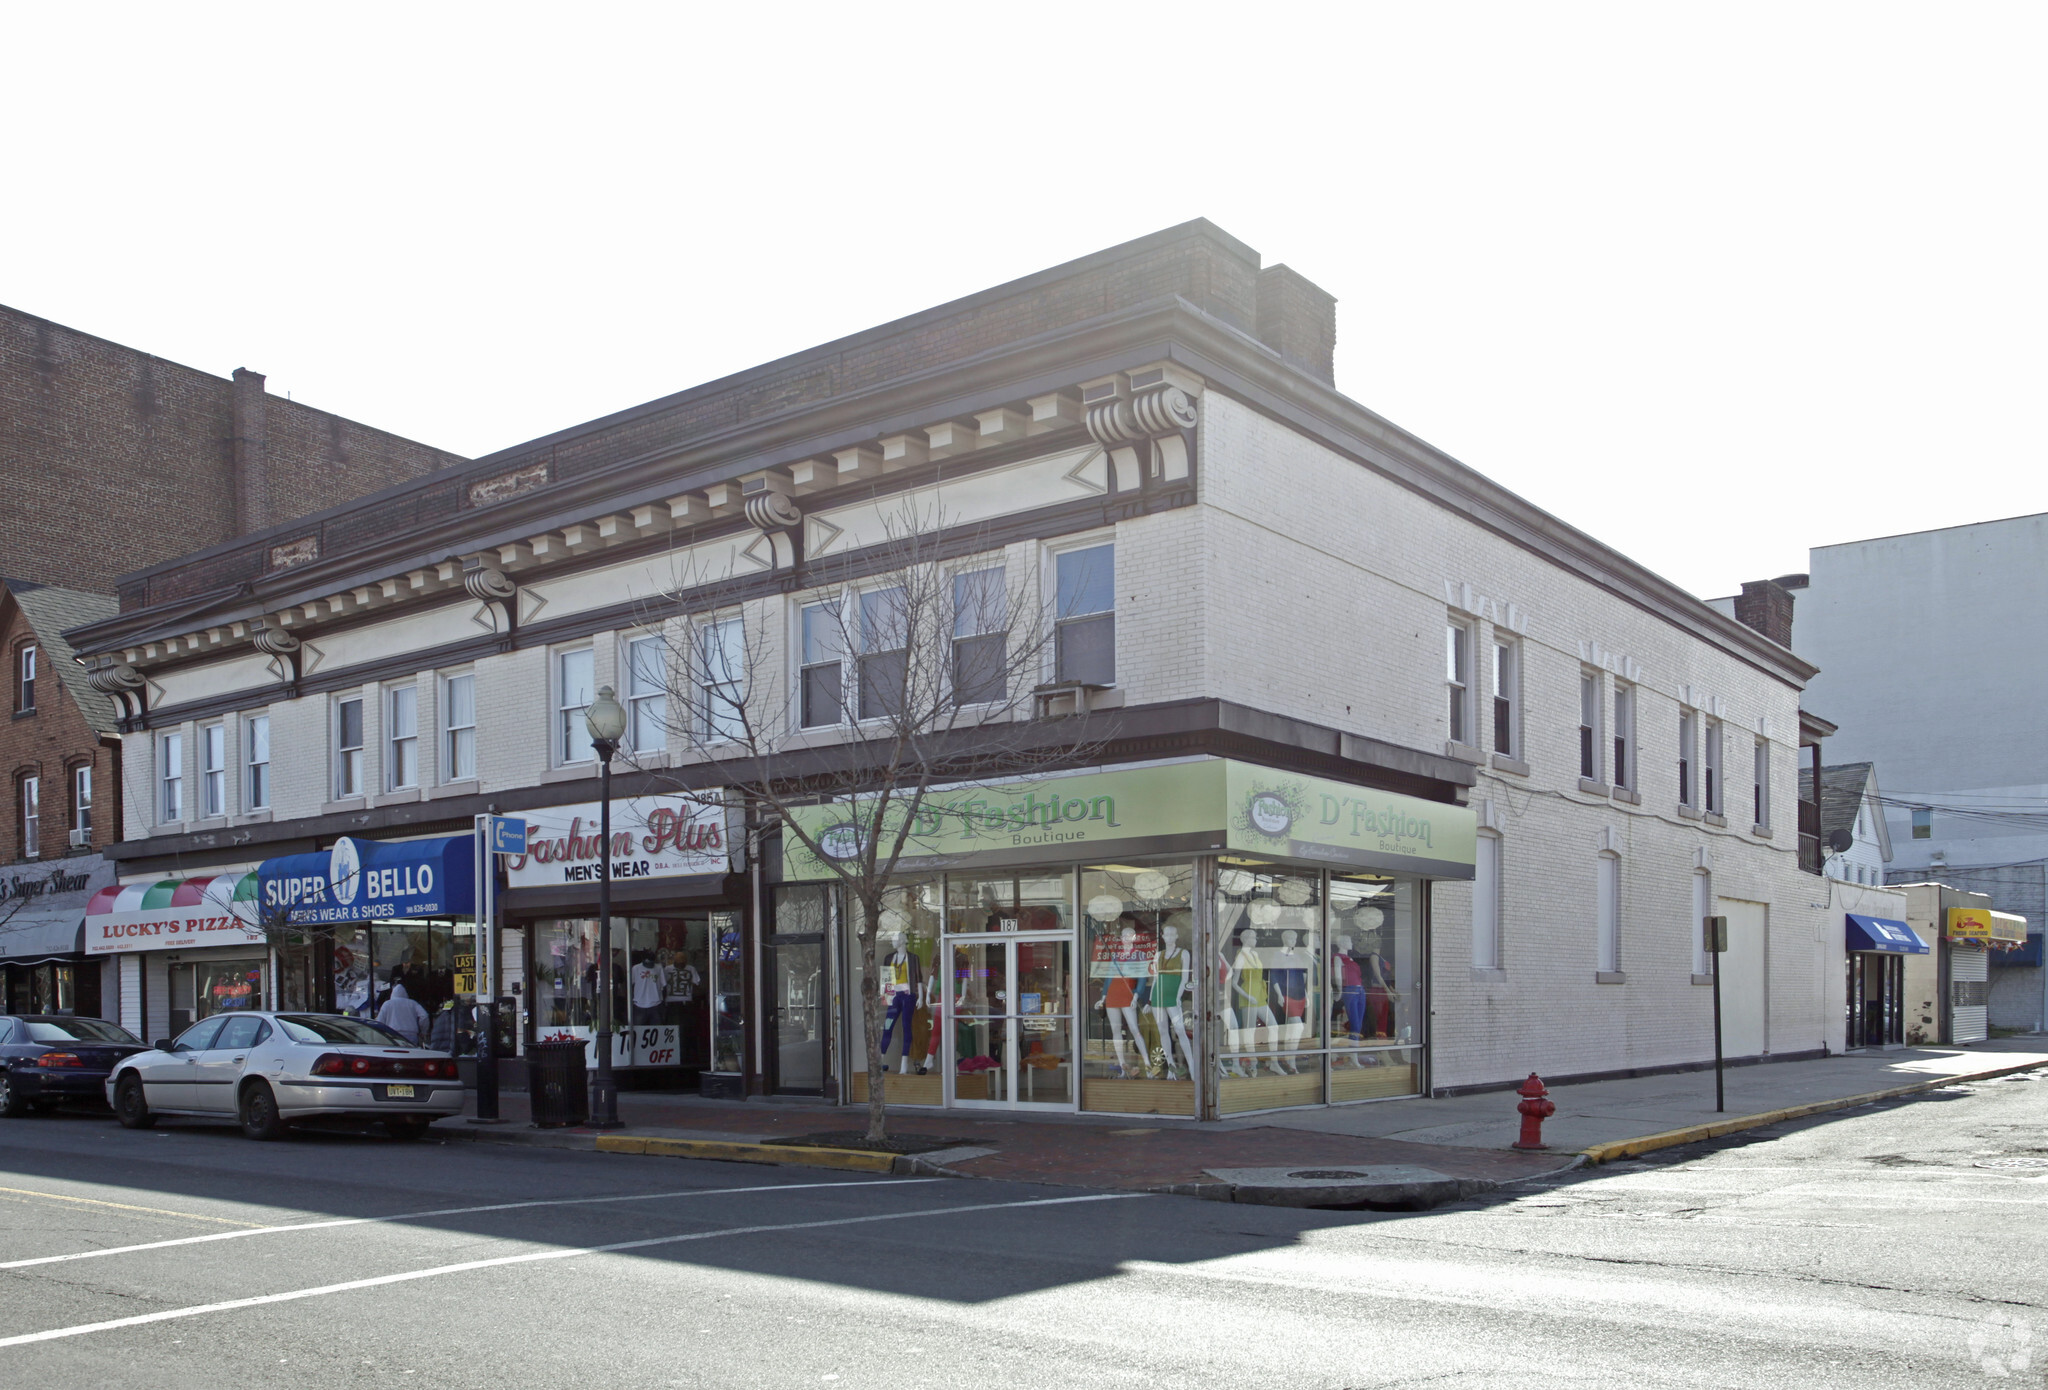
[555, 1087]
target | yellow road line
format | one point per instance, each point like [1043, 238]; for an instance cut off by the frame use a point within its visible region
[124, 1206]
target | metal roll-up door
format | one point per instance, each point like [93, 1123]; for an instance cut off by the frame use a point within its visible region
[1969, 993]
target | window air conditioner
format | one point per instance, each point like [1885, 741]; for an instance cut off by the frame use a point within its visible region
[80, 839]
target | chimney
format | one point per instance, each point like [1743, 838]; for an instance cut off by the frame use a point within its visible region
[251, 453]
[1298, 320]
[1766, 605]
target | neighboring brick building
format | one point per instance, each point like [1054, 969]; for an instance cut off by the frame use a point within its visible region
[171, 460]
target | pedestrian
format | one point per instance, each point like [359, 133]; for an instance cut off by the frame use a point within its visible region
[403, 1016]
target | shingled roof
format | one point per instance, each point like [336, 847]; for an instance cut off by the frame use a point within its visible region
[1843, 788]
[49, 611]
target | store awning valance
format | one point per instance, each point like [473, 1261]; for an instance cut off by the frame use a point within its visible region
[1884, 934]
[27, 935]
[1981, 926]
[372, 881]
[173, 913]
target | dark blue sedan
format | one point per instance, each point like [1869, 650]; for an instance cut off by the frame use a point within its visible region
[46, 1059]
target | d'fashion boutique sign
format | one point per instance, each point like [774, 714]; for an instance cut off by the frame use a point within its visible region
[652, 837]
[1208, 804]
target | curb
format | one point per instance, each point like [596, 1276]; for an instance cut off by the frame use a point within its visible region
[790, 1155]
[1692, 1134]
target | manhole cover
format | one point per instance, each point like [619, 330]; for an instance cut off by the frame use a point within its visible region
[2013, 1163]
[1328, 1173]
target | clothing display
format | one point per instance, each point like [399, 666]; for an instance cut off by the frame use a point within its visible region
[902, 1007]
[1248, 980]
[1169, 972]
[648, 984]
[1123, 992]
[1292, 985]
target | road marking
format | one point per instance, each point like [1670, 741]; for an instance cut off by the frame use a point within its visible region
[421, 1215]
[124, 1206]
[534, 1257]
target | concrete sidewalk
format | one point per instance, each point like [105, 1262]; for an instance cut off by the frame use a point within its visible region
[1427, 1150]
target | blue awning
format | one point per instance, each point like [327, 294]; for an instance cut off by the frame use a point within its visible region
[1884, 934]
[371, 881]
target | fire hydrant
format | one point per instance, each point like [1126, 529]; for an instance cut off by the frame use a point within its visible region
[1536, 1107]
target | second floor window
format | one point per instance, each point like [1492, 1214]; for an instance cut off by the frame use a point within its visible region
[1761, 791]
[1607, 896]
[1084, 635]
[213, 770]
[25, 680]
[574, 689]
[31, 817]
[460, 723]
[722, 669]
[170, 765]
[1688, 777]
[646, 696]
[1507, 699]
[256, 763]
[981, 613]
[1458, 676]
[348, 747]
[402, 737]
[1710, 768]
[884, 665]
[823, 676]
[1625, 736]
[1589, 726]
[1923, 822]
[81, 803]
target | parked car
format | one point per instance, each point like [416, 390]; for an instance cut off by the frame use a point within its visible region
[47, 1059]
[266, 1070]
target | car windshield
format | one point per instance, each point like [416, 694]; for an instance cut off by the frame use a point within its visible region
[316, 1028]
[59, 1030]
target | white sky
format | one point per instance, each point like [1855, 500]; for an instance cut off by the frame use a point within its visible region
[1713, 283]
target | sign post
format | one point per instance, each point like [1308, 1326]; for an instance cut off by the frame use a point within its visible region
[1714, 930]
[495, 835]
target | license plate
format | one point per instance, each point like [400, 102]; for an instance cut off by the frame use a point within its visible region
[398, 1093]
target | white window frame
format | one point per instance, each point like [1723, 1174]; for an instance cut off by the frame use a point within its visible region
[1486, 902]
[170, 772]
[1507, 696]
[1625, 737]
[1713, 779]
[213, 771]
[1060, 621]
[646, 706]
[832, 607]
[569, 738]
[1607, 912]
[963, 639]
[32, 816]
[1458, 681]
[255, 770]
[458, 738]
[1592, 724]
[1760, 787]
[862, 655]
[1688, 757]
[347, 772]
[26, 662]
[81, 799]
[721, 692]
[402, 738]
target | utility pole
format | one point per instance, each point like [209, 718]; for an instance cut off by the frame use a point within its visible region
[1715, 932]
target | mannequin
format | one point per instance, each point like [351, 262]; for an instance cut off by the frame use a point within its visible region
[1379, 989]
[1120, 998]
[1173, 977]
[902, 988]
[1290, 982]
[1350, 994]
[934, 996]
[1250, 999]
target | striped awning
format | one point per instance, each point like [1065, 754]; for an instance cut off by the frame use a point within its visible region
[174, 913]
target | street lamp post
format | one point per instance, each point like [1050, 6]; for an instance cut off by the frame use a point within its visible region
[606, 722]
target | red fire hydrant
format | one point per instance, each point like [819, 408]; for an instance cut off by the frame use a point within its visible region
[1536, 1107]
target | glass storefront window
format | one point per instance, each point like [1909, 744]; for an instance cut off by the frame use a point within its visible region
[668, 990]
[1139, 1037]
[203, 988]
[913, 992]
[1376, 995]
[1036, 900]
[1269, 933]
[728, 992]
[563, 991]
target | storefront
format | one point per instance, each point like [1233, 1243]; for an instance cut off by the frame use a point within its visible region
[1877, 948]
[1201, 937]
[1973, 934]
[680, 968]
[183, 949]
[43, 965]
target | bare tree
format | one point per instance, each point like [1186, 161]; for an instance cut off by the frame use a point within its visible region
[918, 663]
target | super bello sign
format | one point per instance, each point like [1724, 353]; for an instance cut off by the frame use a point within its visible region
[1212, 804]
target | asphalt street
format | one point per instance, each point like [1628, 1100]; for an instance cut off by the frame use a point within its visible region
[1900, 1245]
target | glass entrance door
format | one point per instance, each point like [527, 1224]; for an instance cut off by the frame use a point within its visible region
[797, 1021]
[1012, 1012]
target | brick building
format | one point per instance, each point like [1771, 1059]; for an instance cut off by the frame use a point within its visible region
[1420, 787]
[174, 460]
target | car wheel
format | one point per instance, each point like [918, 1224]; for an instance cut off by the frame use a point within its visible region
[131, 1108]
[11, 1103]
[407, 1130]
[260, 1119]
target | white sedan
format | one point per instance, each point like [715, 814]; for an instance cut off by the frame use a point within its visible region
[267, 1070]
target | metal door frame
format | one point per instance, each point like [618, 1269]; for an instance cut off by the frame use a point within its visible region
[1009, 940]
[771, 1014]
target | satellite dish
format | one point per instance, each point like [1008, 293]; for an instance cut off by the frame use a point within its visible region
[1840, 841]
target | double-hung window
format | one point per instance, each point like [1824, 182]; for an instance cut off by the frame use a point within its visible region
[884, 666]
[25, 680]
[348, 747]
[575, 678]
[1084, 631]
[646, 696]
[256, 763]
[1688, 773]
[170, 772]
[1710, 768]
[81, 803]
[1589, 725]
[402, 737]
[213, 770]
[1507, 699]
[822, 679]
[1624, 736]
[31, 816]
[1458, 677]
[721, 678]
[1607, 896]
[1761, 788]
[980, 619]
[458, 722]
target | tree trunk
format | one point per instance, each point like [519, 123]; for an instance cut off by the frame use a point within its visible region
[871, 1010]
